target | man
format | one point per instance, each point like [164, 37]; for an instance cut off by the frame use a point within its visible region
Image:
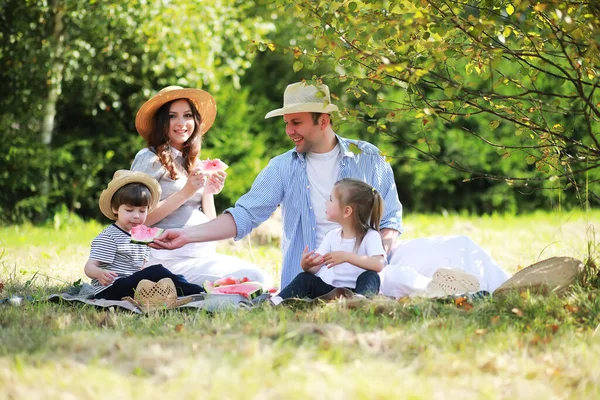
[301, 181]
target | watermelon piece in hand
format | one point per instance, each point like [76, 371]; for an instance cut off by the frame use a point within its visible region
[209, 167]
[143, 234]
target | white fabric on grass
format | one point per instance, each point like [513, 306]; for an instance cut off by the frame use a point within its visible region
[413, 262]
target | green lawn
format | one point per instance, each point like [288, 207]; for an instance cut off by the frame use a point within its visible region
[519, 347]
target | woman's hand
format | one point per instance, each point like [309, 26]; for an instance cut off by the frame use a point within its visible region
[195, 181]
[215, 182]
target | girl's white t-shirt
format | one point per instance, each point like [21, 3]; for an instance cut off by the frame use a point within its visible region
[346, 274]
[322, 170]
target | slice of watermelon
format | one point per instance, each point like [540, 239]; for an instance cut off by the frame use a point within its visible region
[249, 290]
[143, 234]
[209, 167]
[228, 280]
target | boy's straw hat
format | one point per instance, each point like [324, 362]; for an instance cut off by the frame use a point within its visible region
[301, 97]
[161, 295]
[202, 100]
[123, 177]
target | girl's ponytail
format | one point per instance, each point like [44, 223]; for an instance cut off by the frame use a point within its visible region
[376, 211]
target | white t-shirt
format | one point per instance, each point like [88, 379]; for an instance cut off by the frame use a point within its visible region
[346, 274]
[322, 170]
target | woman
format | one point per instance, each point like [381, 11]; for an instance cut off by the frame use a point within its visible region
[172, 124]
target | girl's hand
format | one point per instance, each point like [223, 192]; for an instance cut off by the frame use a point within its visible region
[334, 258]
[215, 183]
[195, 181]
[310, 259]
[105, 277]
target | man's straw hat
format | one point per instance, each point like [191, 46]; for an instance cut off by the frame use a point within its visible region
[554, 275]
[301, 97]
[161, 295]
[121, 178]
[202, 100]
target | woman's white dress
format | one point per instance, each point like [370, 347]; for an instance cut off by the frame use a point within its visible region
[197, 262]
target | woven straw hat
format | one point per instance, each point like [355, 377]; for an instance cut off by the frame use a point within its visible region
[449, 281]
[553, 275]
[121, 178]
[161, 295]
[202, 100]
[301, 97]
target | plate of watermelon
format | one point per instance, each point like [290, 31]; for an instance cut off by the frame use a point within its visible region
[143, 234]
[232, 286]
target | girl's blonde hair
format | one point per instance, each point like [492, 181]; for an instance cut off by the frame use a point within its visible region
[366, 203]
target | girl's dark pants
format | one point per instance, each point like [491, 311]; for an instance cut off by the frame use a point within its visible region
[309, 285]
[125, 286]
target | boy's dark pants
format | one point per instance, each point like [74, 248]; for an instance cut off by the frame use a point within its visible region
[309, 285]
[126, 286]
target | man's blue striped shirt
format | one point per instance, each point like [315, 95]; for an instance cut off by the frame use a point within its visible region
[284, 182]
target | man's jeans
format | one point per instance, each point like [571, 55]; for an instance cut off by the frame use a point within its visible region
[309, 285]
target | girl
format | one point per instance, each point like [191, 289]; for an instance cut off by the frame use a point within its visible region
[350, 256]
[172, 123]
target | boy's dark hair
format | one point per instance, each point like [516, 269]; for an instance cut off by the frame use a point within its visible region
[133, 194]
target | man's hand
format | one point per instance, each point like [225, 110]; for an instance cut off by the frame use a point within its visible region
[334, 258]
[170, 239]
[388, 237]
[310, 259]
[105, 277]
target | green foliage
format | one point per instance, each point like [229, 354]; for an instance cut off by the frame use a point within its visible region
[520, 77]
[108, 58]
[479, 106]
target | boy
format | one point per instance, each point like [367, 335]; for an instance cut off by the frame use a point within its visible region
[116, 265]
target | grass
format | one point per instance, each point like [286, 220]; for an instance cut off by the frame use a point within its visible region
[520, 346]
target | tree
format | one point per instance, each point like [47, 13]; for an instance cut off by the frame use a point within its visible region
[520, 76]
[74, 73]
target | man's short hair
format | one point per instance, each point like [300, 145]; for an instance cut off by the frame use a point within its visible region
[316, 115]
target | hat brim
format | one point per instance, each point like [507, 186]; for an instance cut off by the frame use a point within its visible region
[449, 281]
[555, 275]
[120, 181]
[202, 100]
[303, 107]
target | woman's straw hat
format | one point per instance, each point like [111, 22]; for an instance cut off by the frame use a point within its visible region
[161, 295]
[202, 100]
[121, 178]
[554, 275]
[301, 97]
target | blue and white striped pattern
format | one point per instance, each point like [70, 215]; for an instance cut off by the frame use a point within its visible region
[113, 249]
[284, 182]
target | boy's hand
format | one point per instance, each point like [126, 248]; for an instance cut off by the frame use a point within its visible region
[106, 277]
[334, 258]
[310, 259]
